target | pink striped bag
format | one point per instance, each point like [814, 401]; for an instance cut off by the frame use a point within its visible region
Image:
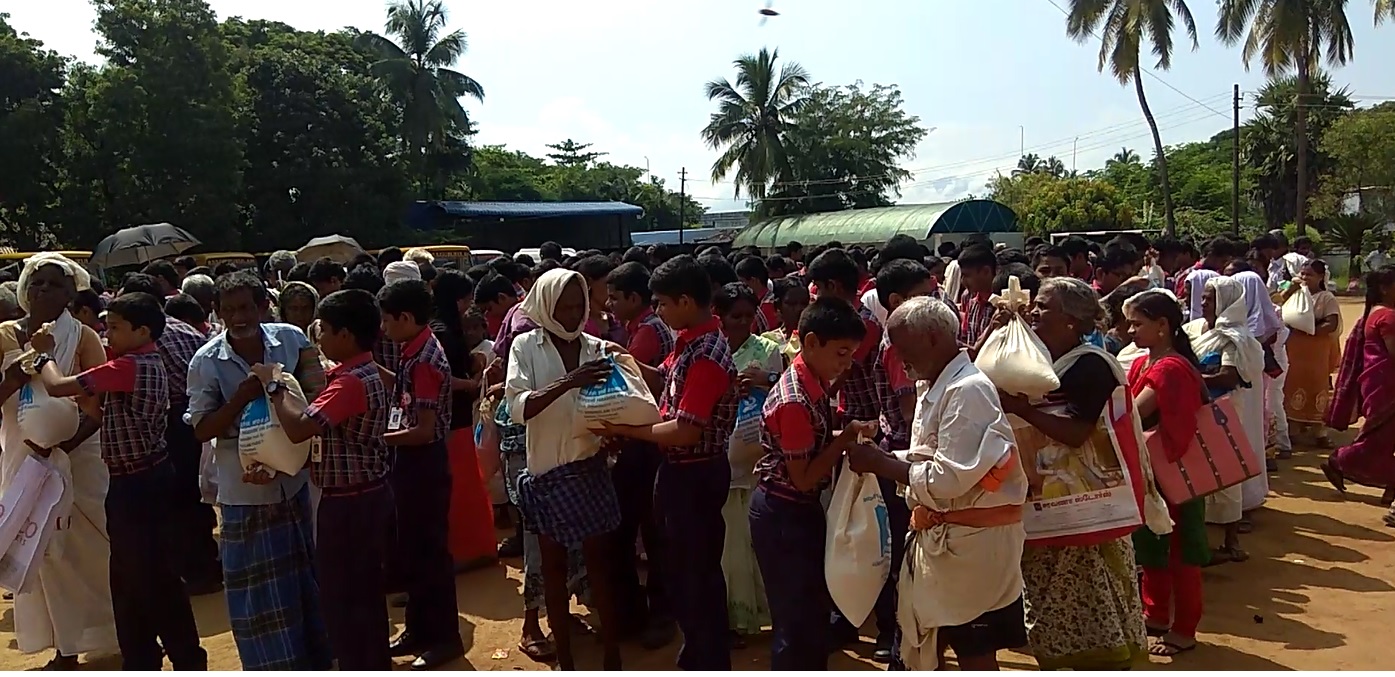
[1217, 459]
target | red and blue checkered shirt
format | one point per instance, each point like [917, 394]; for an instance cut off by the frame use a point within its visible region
[388, 354]
[892, 384]
[857, 400]
[352, 411]
[177, 345]
[975, 315]
[134, 388]
[424, 383]
[703, 342]
[665, 334]
[800, 389]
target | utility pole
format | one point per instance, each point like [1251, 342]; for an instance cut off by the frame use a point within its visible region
[682, 202]
[1235, 163]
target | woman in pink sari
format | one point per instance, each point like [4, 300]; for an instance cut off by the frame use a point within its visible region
[1366, 386]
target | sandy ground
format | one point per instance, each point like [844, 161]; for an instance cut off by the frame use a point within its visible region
[1313, 597]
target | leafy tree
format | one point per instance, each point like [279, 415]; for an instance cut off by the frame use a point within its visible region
[752, 118]
[1126, 26]
[31, 118]
[572, 154]
[418, 72]
[1292, 36]
[1269, 148]
[1361, 146]
[843, 150]
[1124, 156]
[1046, 204]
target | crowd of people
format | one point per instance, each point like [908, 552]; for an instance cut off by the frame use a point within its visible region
[440, 403]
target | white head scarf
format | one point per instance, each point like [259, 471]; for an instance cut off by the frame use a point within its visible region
[82, 280]
[401, 270]
[1232, 327]
[1263, 319]
[542, 299]
[1196, 283]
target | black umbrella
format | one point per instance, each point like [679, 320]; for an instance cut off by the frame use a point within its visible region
[142, 244]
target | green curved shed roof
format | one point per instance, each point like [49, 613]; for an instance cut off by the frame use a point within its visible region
[878, 224]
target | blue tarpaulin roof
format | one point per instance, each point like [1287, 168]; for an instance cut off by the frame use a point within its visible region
[517, 210]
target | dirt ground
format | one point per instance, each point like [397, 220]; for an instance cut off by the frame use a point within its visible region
[1312, 597]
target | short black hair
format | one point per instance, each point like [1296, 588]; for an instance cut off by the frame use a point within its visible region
[524, 260]
[1117, 258]
[752, 267]
[794, 246]
[550, 250]
[1303, 241]
[900, 246]
[478, 272]
[542, 268]
[366, 277]
[784, 286]
[186, 262]
[325, 269]
[389, 255]
[899, 276]
[490, 288]
[142, 283]
[732, 292]
[778, 266]
[976, 257]
[1025, 276]
[1075, 246]
[185, 308]
[163, 269]
[407, 297]
[505, 266]
[1169, 244]
[1011, 255]
[141, 310]
[835, 265]
[719, 271]
[362, 259]
[300, 272]
[200, 270]
[832, 319]
[354, 310]
[90, 300]
[631, 278]
[594, 268]
[1220, 246]
[224, 268]
[635, 254]
[683, 276]
[242, 280]
[1050, 252]
[428, 270]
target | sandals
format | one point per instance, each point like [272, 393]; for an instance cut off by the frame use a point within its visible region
[540, 650]
[1387, 498]
[1168, 647]
[1225, 555]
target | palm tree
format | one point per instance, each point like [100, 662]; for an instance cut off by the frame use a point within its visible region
[1292, 35]
[1053, 166]
[1125, 26]
[417, 73]
[751, 119]
[1125, 156]
[1028, 164]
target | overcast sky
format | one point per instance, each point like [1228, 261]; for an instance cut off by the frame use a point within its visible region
[628, 75]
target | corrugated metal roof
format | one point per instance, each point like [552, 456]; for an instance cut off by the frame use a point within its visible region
[879, 224]
[517, 210]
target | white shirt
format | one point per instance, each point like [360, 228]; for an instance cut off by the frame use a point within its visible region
[557, 435]
[874, 304]
[954, 574]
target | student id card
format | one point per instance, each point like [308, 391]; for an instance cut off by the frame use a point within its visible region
[316, 450]
[394, 418]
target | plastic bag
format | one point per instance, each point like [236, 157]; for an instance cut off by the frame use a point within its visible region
[1298, 311]
[857, 547]
[36, 529]
[46, 421]
[1012, 357]
[260, 438]
[208, 475]
[623, 399]
[745, 449]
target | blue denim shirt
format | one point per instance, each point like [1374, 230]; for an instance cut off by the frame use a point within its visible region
[214, 374]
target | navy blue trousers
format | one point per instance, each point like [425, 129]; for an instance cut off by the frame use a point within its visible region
[689, 497]
[421, 483]
[789, 541]
[350, 549]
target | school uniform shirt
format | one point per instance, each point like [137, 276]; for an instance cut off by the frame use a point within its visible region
[889, 372]
[796, 423]
[975, 315]
[177, 345]
[963, 456]
[352, 411]
[610, 329]
[857, 400]
[650, 339]
[424, 383]
[558, 434]
[388, 354]
[767, 315]
[698, 389]
[134, 388]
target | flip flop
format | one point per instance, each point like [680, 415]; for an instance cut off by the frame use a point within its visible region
[1165, 647]
[1155, 632]
[540, 650]
[1389, 519]
[1334, 478]
[1227, 555]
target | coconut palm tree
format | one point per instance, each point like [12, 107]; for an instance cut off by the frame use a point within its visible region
[1030, 163]
[1292, 36]
[417, 71]
[1125, 28]
[1125, 156]
[751, 119]
[1053, 166]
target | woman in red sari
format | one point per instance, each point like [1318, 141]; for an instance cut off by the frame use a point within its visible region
[1366, 386]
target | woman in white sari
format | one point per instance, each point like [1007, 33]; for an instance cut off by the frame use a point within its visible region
[66, 605]
[1233, 364]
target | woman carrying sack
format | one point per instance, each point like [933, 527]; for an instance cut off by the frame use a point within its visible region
[68, 606]
[1313, 357]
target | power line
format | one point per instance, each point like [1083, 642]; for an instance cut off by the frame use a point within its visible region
[1148, 71]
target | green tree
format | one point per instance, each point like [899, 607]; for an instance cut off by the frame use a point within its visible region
[502, 174]
[1031, 163]
[843, 150]
[31, 119]
[1291, 36]
[1270, 151]
[1361, 146]
[418, 72]
[1046, 204]
[572, 154]
[1126, 27]
[752, 117]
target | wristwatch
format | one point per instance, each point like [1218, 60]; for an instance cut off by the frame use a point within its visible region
[774, 377]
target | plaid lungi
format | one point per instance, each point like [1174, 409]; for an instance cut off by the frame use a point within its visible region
[273, 599]
[571, 502]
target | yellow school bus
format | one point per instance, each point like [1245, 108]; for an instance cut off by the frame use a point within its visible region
[241, 259]
[79, 257]
[458, 253]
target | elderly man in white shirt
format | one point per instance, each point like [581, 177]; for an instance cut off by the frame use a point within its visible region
[961, 581]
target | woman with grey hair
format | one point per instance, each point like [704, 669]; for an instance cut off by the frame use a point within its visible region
[201, 287]
[278, 267]
[1082, 604]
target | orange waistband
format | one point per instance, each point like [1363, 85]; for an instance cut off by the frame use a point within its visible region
[923, 518]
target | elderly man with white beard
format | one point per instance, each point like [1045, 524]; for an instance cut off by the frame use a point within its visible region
[961, 579]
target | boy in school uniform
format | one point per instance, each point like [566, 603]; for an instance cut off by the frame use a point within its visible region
[978, 265]
[697, 400]
[350, 463]
[148, 597]
[838, 276]
[418, 425]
